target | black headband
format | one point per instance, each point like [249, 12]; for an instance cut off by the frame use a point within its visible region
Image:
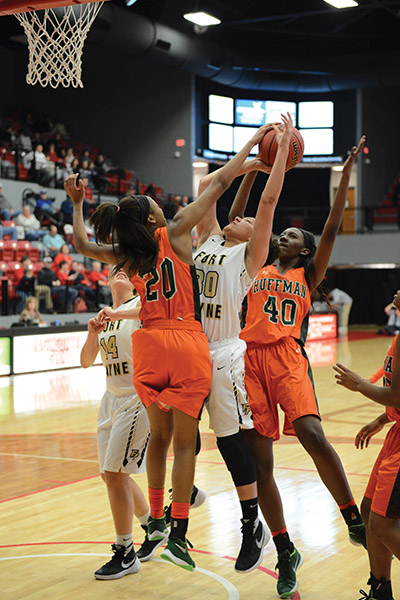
[144, 208]
[308, 239]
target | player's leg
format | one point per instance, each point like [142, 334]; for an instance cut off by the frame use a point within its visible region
[260, 440]
[114, 422]
[184, 442]
[269, 498]
[230, 416]
[161, 424]
[380, 557]
[329, 466]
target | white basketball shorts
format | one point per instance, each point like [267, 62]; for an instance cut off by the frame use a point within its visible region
[123, 433]
[227, 403]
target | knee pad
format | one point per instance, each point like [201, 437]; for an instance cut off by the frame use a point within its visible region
[238, 458]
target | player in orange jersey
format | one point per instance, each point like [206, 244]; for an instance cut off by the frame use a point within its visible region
[277, 371]
[171, 361]
[381, 503]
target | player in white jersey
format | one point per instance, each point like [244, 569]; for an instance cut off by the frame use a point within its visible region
[227, 262]
[123, 428]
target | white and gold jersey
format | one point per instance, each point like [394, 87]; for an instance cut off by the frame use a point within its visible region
[223, 283]
[116, 351]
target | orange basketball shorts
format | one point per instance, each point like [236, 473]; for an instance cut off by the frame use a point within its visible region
[172, 368]
[384, 482]
[279, 374]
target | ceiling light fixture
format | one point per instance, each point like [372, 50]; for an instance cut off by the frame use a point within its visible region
[342, 3]
[201, 18]
[130, 2]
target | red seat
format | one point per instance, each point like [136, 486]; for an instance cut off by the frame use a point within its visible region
[12, 267]
[23, 249]
[34, 254]
[3, 266]
[9, 247]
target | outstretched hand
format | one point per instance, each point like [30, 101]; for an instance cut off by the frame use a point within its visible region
[347, 378]
[284, 135]
[76, 193]
[355, 151]
[365, 434]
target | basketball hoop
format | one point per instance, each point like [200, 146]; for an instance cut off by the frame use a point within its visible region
[55, 39]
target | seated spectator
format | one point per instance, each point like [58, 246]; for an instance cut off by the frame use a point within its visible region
[41, 168]
[24, 142]
[11, 231]
[392, 327]
[99, 173]
[67, 209]
[38, 289]
[100, 281]
[46, 278]
[63, 255]
[30, 224]
[89, 203]
[45, 208]
[79, 282]
[6, 209]
[25, 282]
[65, 279]
[30, 313]
[53, 241]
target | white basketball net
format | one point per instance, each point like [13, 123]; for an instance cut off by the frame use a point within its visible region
[56, 43]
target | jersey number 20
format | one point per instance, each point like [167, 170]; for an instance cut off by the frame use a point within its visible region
[168, 284]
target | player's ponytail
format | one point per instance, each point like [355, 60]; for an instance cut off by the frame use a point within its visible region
[125, 226]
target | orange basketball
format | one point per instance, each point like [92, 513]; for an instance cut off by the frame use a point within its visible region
[268, 148]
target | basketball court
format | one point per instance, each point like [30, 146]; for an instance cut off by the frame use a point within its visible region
[56, 526]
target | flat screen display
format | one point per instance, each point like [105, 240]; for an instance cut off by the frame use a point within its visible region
[220, 109]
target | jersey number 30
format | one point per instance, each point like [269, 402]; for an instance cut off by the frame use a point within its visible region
[287, 312]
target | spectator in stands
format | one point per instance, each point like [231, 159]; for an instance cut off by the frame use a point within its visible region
[30, 313]
[99, 173]
[67, 208]
[392, 327]
[53, 241]
[11, 231]
[64, 277]
[6, 209]
[45, 208]
[89, 203]
[85, 171]
[41, 169]
[150, 190]
[62, 256]
[30, 224]
[46, 278]
[69, 156]
[80, 283]
[23, 142]
[25, 282]
[100, 281]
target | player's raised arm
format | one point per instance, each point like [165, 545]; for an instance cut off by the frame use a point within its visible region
[332, 224]
[76, 192]
[258, 245]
